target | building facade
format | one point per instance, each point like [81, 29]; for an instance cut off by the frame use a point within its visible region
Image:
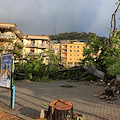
[8, 32]
[71, 53]
[32, 44]
[36, 45]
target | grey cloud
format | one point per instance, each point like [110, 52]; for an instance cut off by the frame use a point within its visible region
[48, 16]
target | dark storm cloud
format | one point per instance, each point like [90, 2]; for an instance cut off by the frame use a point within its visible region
[50, 16]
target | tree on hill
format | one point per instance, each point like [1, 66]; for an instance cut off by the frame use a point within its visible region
[71, 36]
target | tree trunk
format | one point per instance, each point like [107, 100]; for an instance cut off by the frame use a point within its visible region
[60, 110]
[92, 70]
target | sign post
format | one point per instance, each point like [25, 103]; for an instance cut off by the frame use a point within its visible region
[7, 74]
[12, 87]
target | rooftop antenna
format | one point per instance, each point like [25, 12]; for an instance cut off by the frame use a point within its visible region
[55, 30]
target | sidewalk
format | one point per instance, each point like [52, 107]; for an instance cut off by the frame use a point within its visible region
[31, 96]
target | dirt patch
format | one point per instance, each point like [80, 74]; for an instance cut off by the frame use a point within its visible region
[6, 116]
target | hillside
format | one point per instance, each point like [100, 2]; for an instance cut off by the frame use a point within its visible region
[72, 36]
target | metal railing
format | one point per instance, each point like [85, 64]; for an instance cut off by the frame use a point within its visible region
[38, 46]
[2, 35]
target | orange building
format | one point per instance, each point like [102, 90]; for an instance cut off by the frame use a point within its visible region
[71, 53]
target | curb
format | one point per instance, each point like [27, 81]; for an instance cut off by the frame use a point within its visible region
[18, 115]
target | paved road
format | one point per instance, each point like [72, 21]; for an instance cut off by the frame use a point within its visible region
[30, 97]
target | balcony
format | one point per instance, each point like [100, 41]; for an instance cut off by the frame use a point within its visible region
[42, 54]
[63, 56]
[31, 45]
[33, 53]
[64, 48]
[7, 36]
[37, 46]
[44, 46]
[1, 48]
[65, 51]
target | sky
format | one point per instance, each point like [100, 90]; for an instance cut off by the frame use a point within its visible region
[48, 17]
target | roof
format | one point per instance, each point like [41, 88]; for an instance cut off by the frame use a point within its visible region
[83, 40]
[9, 23]
[40, 37]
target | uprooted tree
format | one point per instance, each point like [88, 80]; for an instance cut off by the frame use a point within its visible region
[102, 56]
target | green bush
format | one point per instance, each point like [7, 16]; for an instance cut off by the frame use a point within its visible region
[91, 77]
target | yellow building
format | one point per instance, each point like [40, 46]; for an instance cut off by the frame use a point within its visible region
[71, 53]
[55, 46]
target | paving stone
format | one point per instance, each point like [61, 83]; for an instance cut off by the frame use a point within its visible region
[31, 96]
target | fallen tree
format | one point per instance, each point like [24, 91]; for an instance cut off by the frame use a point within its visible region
[102, 57]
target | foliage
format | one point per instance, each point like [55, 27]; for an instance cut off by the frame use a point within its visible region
[13, 47]
[91, 77]
[35, 69]
[71, 36]
[102, 53]
[115, 68]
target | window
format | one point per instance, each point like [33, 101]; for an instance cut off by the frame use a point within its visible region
[74, 54]
[74, 50]
[70, 50]
[33, 42]
[70, 59]
[78, 55]
[32, 51]
[70, 46]
[77, 50]
[74, 46]
[77, 46]
[70, 54]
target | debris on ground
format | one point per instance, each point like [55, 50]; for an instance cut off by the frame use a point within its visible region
[67, 85]
[99, 83]
[6, 116]
[111, 92]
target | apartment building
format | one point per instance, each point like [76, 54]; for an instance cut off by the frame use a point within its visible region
[33, 44]
[62, 41]
[55, 45]
[9, 31]
[55, 48]
[36, 45]
[71, 53]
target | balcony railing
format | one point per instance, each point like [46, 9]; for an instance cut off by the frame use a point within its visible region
[1, 48]
[33, 53]
[31, 45]
[42, 54]
[64, 48]
[38, 46]
[2, 35]
[64, 51]
[43, 46]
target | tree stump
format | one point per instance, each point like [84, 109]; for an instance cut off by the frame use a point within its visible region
[60, 110]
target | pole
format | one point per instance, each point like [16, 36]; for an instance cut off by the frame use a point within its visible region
[12, 80]
[13, 100]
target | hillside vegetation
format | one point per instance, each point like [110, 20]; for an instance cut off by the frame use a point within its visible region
[73, 35]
